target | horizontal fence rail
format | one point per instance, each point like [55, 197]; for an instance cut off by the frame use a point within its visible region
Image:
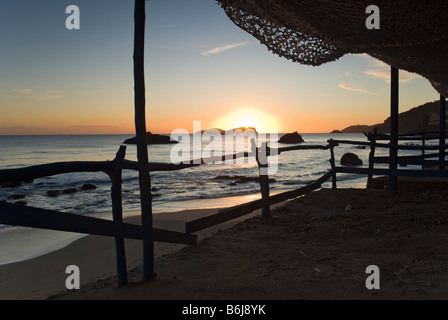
[12, 214]
[51, 169]
[305, 147]
[405, 160]
[398, 172]
[243, 209]
[405, 136]
[385, 145]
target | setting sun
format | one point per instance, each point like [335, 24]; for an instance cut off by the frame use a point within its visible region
[248, 117]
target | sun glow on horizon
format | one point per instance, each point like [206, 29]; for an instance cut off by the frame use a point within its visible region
[248, 117]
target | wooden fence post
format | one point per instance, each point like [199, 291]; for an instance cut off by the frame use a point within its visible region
[261, 155]
[372, 156]
[117, 214]
[333, 167]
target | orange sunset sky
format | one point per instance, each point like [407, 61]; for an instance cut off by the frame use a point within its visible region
[199, 67]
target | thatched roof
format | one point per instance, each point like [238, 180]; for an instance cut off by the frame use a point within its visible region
[413, 34]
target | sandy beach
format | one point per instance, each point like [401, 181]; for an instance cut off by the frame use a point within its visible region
[314, 247]
[42, 276]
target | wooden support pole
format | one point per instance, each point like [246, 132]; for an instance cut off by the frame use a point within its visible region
[393, 152]
[423, 148]
[142, 146]
[442, 132]
[117, 214]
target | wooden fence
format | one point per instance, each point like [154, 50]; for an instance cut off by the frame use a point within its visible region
[422, 160]
[18, 215]
[12, 214]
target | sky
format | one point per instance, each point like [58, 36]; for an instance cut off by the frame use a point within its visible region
[199, 66]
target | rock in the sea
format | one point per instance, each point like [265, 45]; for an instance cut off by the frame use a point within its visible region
[16, 197]
[350, 159]
[152, 139]
[294, 137]
[69, 191]
[241, 179]
[15, 184]
[88, 186]
[12, 184]
[53, 193]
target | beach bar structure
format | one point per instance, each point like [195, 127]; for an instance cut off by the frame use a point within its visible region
[407, 34]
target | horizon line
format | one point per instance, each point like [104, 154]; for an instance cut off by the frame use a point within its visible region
[122, 134]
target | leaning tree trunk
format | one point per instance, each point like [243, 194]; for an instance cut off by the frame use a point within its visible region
[142, 146]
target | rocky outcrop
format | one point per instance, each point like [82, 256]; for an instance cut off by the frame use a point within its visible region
[88, 186]
[53, 193]
[56, 193]
[240, 129]
[350, 159]
[356, 129]
[15, 184]
[17, 197]
[12, 184]
[424, 117]
[294, 137]
[241, 179]
[70, 191]
[152, 139]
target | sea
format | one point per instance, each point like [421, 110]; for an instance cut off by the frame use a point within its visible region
[206, 186]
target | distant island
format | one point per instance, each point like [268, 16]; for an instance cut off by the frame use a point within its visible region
[165, 139]
[243, 129]
[152, 139]
[424, 117]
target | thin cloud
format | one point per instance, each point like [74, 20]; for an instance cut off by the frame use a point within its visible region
[23, 91]
[381, 70]
[385, 75]
[354, 89]
[49, 95]
[31, 94]
[224, 48]
[382, 74]
[17, 130]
